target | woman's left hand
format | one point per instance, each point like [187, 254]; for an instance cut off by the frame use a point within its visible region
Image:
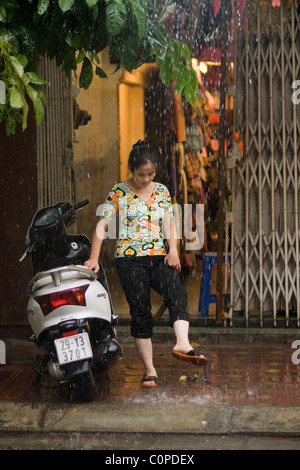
[172, 260]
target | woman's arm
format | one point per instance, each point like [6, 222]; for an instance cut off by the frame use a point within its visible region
[98, 237]
[172, 257]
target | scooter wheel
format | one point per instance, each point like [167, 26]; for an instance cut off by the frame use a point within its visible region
[84, 385]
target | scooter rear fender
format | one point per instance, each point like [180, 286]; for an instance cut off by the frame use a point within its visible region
[96, 300]
[57, 276]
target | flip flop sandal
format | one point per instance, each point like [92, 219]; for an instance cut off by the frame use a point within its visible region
[149, 378]
[192, 357]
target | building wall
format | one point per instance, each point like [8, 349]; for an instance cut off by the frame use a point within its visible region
[18, 190]
[96, 145]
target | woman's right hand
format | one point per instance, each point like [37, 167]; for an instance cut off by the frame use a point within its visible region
[92, 264]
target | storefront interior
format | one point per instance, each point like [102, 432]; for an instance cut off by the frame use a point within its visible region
[186, 138]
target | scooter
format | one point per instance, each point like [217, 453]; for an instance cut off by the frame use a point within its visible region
[69, 307]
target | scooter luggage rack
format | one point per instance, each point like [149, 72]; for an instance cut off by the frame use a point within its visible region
[55, 277]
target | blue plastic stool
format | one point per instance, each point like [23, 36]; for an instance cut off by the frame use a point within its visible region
[206, 298]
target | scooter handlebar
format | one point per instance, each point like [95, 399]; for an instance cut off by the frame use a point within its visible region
[81, 204]
[28, 251]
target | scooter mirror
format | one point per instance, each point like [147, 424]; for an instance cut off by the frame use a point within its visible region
[47, 218]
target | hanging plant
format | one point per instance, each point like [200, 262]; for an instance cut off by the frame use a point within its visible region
[19, 85]
[76, 31]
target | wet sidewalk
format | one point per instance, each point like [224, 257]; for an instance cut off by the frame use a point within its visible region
[250, 387]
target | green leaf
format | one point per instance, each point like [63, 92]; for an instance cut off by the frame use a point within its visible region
[2, 13]
[39, 111]
[25, 79]
[22, 59]
[9, 42]
[91, 3]
[37, 104]
[174, 51]
[158, 38]
[33, 94]
[18, 117]
[42, 95]
[116, 16]
[16, 65]
[159, 33]
[160, 52]
[10, 126]
[86, 74]
[186, 54]
[190, 97]
[65, 5]
[94, 57]
[181, 77]
[80, 57]
[76, 41]
[118, 2]
[191, 87]
[15, 100]
[70, 61]
[139, 12]
[165, 72]
[35, 78]
[43, 6]
[100, 72]
[193, 80]
[25, 114]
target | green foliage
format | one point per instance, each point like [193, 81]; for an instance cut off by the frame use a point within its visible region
[19, 84]
[74, 32]
[173, 66]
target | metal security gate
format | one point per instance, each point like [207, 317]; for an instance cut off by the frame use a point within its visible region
[265, 230]
[55, 138]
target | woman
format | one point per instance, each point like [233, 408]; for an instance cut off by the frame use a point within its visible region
[142, 262]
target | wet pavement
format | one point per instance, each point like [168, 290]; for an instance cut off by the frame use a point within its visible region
[249, 389]
[237, 374]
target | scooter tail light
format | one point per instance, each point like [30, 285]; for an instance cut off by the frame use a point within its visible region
[50, 302]
[69, 333]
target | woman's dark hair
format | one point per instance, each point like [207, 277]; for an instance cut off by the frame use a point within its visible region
[140, 154]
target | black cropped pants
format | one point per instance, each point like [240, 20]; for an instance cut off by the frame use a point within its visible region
[137, 275]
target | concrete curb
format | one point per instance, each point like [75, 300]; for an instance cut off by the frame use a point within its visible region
[220, 335]
[137, 418]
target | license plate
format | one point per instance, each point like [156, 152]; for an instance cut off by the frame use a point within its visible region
[73, 348]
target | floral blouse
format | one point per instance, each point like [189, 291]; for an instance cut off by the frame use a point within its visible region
[141, 223]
